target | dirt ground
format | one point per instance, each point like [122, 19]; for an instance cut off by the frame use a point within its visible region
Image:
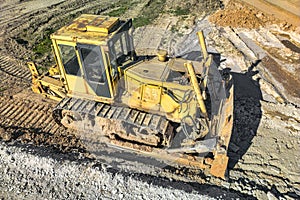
[262, 52]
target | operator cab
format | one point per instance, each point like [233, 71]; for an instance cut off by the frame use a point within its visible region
[88, 52]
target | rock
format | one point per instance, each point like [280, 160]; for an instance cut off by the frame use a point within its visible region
[269, 89]
[289, 145]
[226, 184]
[260, 195]
[121, 195]
[4, 135]
[271, 196]
[274, 169]
[286, 197]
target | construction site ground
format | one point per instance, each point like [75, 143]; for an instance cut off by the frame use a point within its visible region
[41, 160]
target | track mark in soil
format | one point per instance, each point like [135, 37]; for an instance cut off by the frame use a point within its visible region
[31, 122]
[11, 68]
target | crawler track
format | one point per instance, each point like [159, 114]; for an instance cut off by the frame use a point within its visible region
[105, 119]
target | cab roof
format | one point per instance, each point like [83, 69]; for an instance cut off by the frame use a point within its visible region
[91, 29]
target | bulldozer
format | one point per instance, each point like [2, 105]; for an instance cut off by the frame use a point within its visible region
[175, 110]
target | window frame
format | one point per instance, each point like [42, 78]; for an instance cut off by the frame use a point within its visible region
[65, 64]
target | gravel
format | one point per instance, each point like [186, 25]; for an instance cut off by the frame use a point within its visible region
[28, 172]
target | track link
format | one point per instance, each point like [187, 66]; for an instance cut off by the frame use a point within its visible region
[113, 121]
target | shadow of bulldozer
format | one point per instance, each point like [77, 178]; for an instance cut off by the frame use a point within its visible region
[247, 114]
[247, 108]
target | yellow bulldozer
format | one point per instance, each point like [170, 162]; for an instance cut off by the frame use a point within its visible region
[172, 109]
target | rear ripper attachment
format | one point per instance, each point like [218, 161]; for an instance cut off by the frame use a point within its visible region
[175, 110]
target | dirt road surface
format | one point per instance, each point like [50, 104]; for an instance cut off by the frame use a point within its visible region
[38, 158]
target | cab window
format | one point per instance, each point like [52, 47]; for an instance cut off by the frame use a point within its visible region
[69, 60]
[93, 63]
[120, 48]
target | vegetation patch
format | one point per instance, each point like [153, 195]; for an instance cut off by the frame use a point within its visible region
[44, 45]
[2, 89]
[118, 12]
[149, 13]
[141, 21]
[181, 11]
[121, 8]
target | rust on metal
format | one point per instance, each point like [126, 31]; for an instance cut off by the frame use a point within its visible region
[219, 165]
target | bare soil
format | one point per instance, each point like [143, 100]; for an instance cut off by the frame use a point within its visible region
[236, 15]
[274, 43]
[286, 10]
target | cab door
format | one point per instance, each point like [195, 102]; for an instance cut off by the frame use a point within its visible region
[70, 65]
[95, 70]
